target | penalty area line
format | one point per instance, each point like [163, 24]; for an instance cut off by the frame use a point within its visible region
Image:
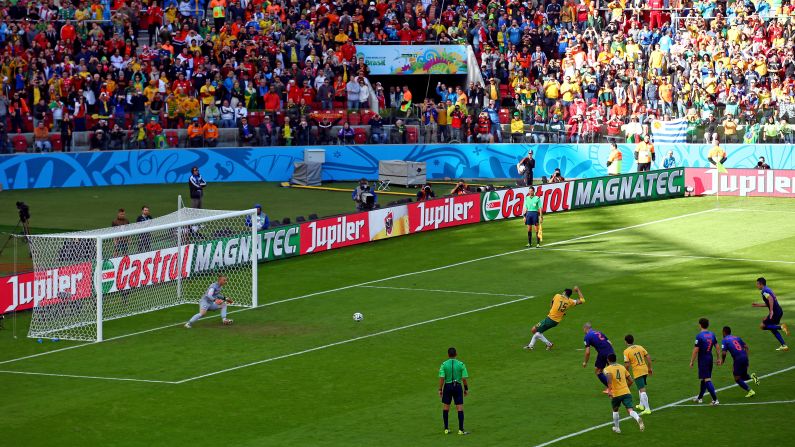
[462, 292]
[375, 281]
[351, 340]
[670, 405]
[76, 376]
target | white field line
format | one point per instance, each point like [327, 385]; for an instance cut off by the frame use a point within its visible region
[463, 292]
[351, 340]
[666, 255]
[74, 376]
[671, 405]
[772, 402]
[403, 275]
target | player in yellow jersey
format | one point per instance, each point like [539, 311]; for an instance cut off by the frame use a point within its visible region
[636, 357]
[560, 304]
[618, 382]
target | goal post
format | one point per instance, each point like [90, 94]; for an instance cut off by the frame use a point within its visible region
[86, 278]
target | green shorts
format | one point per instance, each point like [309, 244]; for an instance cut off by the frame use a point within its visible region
[626, 400]
[545, 325]
[641, 381]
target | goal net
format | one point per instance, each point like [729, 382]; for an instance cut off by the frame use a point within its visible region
[83, 279]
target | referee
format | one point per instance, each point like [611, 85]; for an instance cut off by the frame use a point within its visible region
[533, 216]
[452, 374]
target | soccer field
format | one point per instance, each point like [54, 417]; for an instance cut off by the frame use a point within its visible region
[298, 371]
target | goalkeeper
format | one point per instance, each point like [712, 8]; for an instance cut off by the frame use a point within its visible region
[212, 300]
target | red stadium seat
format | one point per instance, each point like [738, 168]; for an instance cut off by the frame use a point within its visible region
[411, 135]
[359, 135]
[366, 115]
[172, 138]
[255, 118]
[20, 143]
[57, 144]
[279, 118]
[505, 116]
[354, 119]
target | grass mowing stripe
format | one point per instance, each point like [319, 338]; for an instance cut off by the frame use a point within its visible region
[666, 255]
[440, 291]
[671, 405]
[74, 376]
[740, 403]
[351, 340]
[403, 275]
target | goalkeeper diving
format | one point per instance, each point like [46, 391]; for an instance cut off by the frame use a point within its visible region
[213, 299]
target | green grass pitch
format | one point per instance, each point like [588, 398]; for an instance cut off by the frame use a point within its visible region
[298, 371]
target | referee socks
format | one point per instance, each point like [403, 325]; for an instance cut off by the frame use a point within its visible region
[445, 417]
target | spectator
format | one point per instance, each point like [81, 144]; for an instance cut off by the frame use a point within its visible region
[267, 132]
[196, 184]
[154, 133]
[517, 128]
[138, 136]
[377, 129]
[195, 134]
[484, 133]
[262, 222]
[210, 133]
[761, 164]
[41, 138]
[117, 136]
[345, 134]
[245, 133]
[98, 141]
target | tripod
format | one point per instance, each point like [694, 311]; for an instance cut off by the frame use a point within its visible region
[25, 231]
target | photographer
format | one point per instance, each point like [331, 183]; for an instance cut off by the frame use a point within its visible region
[459, 189]
[425, 193]
[364, 197]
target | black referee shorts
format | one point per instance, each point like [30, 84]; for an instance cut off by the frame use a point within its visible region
[453, 392]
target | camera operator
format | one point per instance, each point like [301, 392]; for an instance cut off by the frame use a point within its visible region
[364, 197]
[425, 193]
[459, 189]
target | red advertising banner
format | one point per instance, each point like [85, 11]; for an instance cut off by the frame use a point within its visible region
[335, 232]
[741, 182]
[21, 292]
[443, 213]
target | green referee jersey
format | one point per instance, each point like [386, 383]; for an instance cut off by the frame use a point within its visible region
[453, 371]
[532, 204]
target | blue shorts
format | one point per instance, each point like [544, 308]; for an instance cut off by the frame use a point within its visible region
[705, 368]
[601, 360]
[741, 367]
[531, 218]
[776, 318]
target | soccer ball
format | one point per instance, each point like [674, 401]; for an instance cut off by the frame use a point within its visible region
[358, 317]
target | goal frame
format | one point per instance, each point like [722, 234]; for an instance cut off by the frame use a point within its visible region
[97, 274]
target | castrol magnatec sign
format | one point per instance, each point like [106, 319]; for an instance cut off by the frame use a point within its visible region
[509, 203]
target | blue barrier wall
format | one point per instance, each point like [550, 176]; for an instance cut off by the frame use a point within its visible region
[344, 162]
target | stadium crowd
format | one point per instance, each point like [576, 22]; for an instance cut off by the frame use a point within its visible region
[277, 70]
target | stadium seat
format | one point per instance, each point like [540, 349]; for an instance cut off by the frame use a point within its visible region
[20, 143]
[255, 118]
[505, 116]
[411, 135]
[57, 144]
[280, 118]
[172, 138]
[354, 119]
[359, 135]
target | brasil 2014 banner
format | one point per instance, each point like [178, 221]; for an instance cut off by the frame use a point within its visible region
[635, 187]
[414, 59]
[741, 182]
[25, 290]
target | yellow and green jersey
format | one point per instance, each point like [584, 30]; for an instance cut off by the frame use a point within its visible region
[636, 356]
[560, 303]
[617, 379]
